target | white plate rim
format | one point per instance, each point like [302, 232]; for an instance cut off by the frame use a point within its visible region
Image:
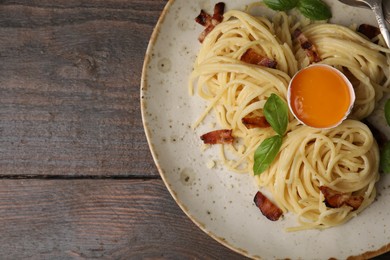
[147, 60]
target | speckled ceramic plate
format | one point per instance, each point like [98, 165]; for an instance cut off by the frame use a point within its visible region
[219, 201]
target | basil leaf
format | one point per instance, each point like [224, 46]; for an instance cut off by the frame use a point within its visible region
[276, 112]
[266, 153]
[281, 5]
[314, 9]
[387, 111]
[385, 158]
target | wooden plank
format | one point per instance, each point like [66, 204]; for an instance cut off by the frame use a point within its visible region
[69, 87]
[109, 219]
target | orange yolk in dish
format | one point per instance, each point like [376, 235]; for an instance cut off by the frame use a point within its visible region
[320, 97]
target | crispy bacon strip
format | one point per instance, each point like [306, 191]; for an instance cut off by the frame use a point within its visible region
[219, 9]
[334, 199]
[223, 136]
[204, 33]
[309, 48]
[369, 31]
[252, 57]
[203, 18]
[269, 210]
[208, 21]
[255, 122]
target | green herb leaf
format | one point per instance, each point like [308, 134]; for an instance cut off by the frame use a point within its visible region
[266, 153]
[387, 111]
[276, 113]
[385, 158]
[281, 5]
[314, 9]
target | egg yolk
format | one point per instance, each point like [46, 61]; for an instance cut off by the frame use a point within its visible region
[319, 97]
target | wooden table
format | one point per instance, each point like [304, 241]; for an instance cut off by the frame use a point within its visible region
[77, 177]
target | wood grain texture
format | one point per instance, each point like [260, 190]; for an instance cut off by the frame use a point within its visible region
[106, 219]
[69, 108]
[69, 87]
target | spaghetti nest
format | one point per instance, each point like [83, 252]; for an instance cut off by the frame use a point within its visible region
[344, 158]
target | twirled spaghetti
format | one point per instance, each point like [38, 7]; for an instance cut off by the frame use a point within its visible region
[344, 158]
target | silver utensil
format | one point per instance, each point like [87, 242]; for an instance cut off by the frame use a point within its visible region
[386, 10]
[377, 8]
[385, 7]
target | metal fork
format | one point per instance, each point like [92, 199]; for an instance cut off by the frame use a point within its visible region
[377, 7]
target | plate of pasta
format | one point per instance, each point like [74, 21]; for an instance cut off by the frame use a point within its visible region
[214, 97]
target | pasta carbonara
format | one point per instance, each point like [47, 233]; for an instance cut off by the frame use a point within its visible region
[344, 159]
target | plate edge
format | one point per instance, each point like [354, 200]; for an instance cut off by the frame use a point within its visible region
[143, 88]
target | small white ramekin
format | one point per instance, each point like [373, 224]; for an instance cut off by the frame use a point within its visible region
[348, 83]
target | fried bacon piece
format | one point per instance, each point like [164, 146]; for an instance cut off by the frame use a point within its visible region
[208, 21]
[334, 199]
[269, 209]
[252, 57]
[219, 9]
[223, 136]
[309, 48]
[255, 122]
[369, 31]
[205, 32]
[203, 18]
